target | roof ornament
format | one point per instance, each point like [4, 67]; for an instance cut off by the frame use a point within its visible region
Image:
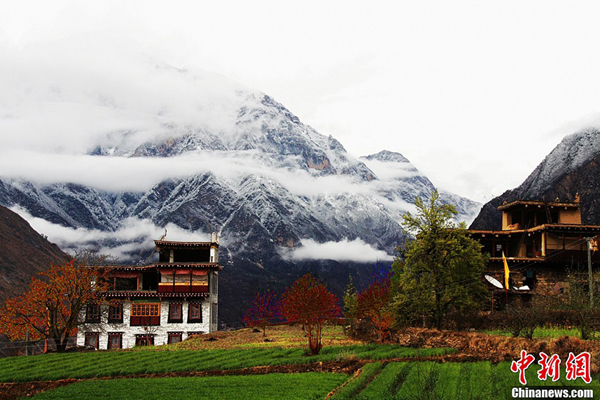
[154, 248]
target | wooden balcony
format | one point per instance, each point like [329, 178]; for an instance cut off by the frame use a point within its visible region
[167, 287]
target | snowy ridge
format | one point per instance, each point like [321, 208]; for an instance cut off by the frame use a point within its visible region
[240, 161]
[571, 153]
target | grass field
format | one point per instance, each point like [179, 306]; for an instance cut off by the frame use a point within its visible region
[430, 380]
[309, 385]
[396, 380]
[543, 332]
[390, 372]
[149, 361]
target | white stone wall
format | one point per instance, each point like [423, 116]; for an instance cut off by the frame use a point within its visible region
[214, 299]
[160, 332]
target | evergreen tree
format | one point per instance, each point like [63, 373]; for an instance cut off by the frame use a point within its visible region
[350, 297]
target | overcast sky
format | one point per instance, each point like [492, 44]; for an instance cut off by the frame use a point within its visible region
[474, 93]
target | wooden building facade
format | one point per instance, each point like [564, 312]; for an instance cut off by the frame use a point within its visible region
[164, 302]
[542, 242]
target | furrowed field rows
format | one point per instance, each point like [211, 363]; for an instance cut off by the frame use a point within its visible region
[148, 361]
[309, 385]
[431, 380]
[355, 386]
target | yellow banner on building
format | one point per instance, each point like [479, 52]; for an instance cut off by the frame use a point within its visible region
[506, 272]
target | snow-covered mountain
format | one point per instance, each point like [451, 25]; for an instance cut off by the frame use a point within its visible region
[572, 167]
[221, 157]
[401, 182]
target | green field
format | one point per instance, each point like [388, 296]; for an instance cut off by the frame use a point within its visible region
[148, 361]
[544, 332]
[310, 385]
[430, 380]
[396, 380]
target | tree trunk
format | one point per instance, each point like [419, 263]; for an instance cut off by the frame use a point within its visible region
[61, 344]
[438, 311]
[379, 330]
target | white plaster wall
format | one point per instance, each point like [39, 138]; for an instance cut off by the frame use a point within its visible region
[160, 332]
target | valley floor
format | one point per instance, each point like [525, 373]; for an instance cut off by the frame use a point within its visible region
[424, 364]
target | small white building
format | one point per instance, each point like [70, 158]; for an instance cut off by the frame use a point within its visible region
[161, 303]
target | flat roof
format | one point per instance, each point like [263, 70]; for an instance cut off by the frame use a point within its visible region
[537, 203]
[544, 227]
[187, 265]
[167, 243]
[151, 294]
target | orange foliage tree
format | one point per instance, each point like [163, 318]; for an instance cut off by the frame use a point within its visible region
[52, 306]
[310, 303]
[373, 303]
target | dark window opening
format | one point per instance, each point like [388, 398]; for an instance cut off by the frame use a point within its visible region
[115, 314]
[92, 339]
[185, 255]
[174, 337]
[529, 278]
[126, 283]
[195, 312]
[150, 280]
[175, 314]
[115, 341]
[92, 313]
[144, 340]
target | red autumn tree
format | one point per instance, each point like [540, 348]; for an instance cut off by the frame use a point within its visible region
[373, 304]
[264, 310]
[52, 306]
[310, 303]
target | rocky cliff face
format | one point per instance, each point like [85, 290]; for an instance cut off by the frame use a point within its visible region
[23, 253]
[572, 167]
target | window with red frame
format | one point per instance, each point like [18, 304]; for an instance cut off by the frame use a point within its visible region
[92, 339]
[115, 313]
[145, 309]
[175, 314]
[174, 337]
[195, 312]
[92, 313]
[115, 340]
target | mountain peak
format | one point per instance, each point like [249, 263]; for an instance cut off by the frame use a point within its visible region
[387, 156]
[570, 168]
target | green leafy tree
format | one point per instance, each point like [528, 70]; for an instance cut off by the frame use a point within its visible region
[442, 267]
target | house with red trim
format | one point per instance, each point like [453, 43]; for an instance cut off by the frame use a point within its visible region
[161, 303]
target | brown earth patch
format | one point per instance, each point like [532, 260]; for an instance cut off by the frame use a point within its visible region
[10, 391]
[495, 348]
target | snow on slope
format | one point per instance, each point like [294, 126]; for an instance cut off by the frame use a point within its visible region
[570, 154]
[220, 155]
